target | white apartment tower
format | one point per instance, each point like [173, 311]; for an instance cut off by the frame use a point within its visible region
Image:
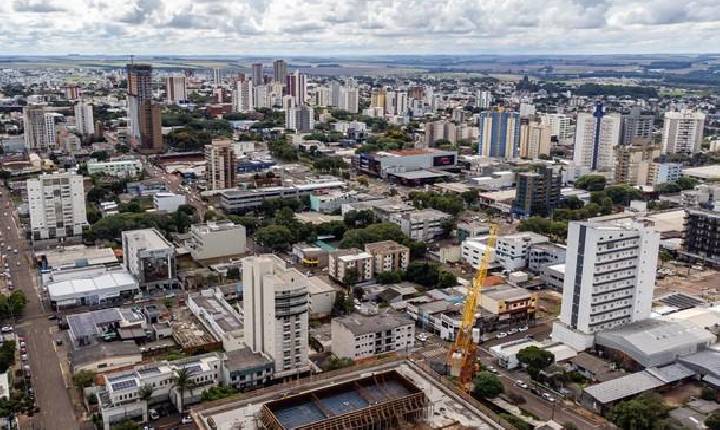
[57, 206]
[300, 118]
[176, 89]
[683, 132]
[596, 136]
[276, 309]
[84, 120]
[609, 279]
[39, 129]
[243, 97]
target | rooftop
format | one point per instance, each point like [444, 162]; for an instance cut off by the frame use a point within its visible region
[419, 174]
[148, 239]
[360, 324]
[626, 386]
[102, 351]
[505, 292]
[244, 358]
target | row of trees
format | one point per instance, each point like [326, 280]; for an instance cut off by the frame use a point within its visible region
[446, 202]
[110, 227]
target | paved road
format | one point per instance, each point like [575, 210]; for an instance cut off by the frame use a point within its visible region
[56, 411]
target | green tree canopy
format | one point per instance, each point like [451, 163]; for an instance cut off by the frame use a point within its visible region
[487, 385]
[645, 412]
[590, 183]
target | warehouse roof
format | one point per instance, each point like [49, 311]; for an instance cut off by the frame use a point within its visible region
[620, 388]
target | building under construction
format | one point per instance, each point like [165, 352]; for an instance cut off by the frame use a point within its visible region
[381, 401]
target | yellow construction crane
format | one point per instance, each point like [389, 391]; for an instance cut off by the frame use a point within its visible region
[461, 357]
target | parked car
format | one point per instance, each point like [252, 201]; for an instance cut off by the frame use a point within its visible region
[154, 415]
[548, 397]
[186, 420]
[523, 328]
[501, 335]
[521, 384]
[512, 331]
[491, 369]
[6, 329]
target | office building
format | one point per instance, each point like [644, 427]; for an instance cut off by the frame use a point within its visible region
[499, 134]
[276, 314]
[175, 89]
[243, 96]
[537, 193]
[221, 166]
[634, 163]
[280, 71]
[168, 202]
[512, 251]
[300, 118]
[56, 203]
[545, 254]
[149, 257]
[257, 74]
[636, 126]
[84, 119]
[609, 279]
[239, 201]
[295, 87]
[388, 255]
[342, 263]
[215, 240]
[422, 225]
[702, 236]
[683, 132]
[217, 76]
[596, 136]
[535, 140]
[115, 168]
[144, 122]
[359, 336]
[39, 129]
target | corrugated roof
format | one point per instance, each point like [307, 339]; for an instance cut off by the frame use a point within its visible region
[618, 389]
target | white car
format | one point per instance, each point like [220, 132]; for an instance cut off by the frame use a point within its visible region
[501, 335]
[186, 420]
[6, 329]
[548, 397]
[512, 331]
[521, 384]
[524, 328]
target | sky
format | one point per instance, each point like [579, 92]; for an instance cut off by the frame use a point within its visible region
[358, 27]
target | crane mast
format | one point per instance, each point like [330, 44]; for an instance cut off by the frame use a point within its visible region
[461, 357]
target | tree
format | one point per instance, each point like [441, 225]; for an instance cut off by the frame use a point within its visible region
[686, 183]
[145, 394]
[343, 304]
[126, 425]
[275, 237]
[182, 380]
[591, 183]
[389, 277]
[645, 412]
[713, 421]
[535, 359]
[84, 378]
[359, 219]
[446, 279]
[487, 385]
[350, 277]
[470, 197]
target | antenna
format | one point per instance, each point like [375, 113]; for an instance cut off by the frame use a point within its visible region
[132, 59]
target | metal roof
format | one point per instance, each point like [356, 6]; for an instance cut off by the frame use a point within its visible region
[620, 388]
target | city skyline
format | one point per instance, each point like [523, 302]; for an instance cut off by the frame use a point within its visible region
[356, 27]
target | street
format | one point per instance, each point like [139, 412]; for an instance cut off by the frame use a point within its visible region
[56, 411]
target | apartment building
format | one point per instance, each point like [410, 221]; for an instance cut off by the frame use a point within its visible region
[702, 236]
[56, 203]
[543, 254]
[149, 257]
[537, 193]
[221, 165]
[214, 240]
[116, 168]
[276, 311]
[634, 163]
[344, 261]
[218, 317]
[359, 336]
[422, 225]
[609, 279]
[388, 256]
[683, 132]
[508, 303]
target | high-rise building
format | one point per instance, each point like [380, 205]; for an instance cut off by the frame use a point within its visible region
[84, 120]
[144, 120]
[243, 99]
[276, 313]
[561, 127]
[280, 71]
[401, 102]
[262, 97]
[349, 99]
[217, 76]
[596, 136]
[537, 193]
[257, 74]
[57, 206]
[39, 129]
[295, 87]
[72, 92]
[377, 98]
[176, 89]
[535, 140]
[683, 132]
[300, 118]
[484, 99]
[702, 236]
[499, 134]
[633, 163]
[220, 170]
[610, 272]
[636, 126]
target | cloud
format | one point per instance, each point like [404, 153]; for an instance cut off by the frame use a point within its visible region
[330, 27]
[36, 6]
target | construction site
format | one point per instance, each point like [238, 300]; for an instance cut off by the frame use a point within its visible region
[394, 394]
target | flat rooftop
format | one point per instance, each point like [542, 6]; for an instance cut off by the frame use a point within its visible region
[359, 324]
[149, 239]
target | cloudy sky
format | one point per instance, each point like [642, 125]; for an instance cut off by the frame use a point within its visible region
[320, 27]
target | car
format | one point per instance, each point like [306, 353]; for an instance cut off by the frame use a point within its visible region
[521, 384]
[186, 420]
[24, 357]
[512, 331]
[548, 397]
[58, 342]
[15, 250]
[501, 335]
[422, 337]
[17, 263]
[153, 414]
[52, 317]
[523, 328]
[26, 367]
[6, 329]
[22, 345]
[492, 369]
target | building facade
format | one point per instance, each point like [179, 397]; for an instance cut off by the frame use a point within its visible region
[363, 336]
[683, 132]
[596, 136]
[56, 204]
[702, 236]
[341, 262]
[220, 170]
[84, 119]
[217, 240]
[149, 257]
[537, 193]
[175, 89]
[499, 134]
[388, 256]
[144, 122]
